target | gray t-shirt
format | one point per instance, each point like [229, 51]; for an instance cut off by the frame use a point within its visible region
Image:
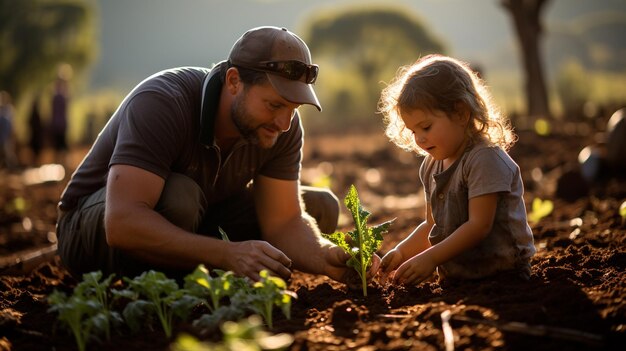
[480, 170]
[166, 125]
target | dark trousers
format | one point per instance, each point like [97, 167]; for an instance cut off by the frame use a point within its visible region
[81, 234]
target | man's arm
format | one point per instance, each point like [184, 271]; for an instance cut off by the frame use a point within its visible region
[288, 227]
[132, 225]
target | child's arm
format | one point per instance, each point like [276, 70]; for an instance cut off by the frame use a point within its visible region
[412, 245]
[417, 241]
[482, 211]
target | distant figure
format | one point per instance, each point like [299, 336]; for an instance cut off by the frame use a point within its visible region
[58, 125]
[8, 158]
[608, 158]
[36, 131]
[89, 128]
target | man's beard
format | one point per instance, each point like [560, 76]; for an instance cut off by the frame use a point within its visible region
[244, 121]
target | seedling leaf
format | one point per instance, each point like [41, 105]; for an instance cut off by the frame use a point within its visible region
[268, 292]
[540, 209]
[223, 234]
[162, 297]
[362, 242]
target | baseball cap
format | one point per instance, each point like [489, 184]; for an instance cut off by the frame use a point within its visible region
[284, 57]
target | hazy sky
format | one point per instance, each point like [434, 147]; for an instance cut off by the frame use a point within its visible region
[140, 37]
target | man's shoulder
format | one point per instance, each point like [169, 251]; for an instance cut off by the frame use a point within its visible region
[173, 82]
[180, 74]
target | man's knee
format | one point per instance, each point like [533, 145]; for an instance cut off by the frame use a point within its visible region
[182, 202]
[322, 205]
[81, 237]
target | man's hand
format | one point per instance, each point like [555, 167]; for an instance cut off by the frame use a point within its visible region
[248, 258]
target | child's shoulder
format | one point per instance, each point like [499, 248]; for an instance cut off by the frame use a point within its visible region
[484, 154]
[485, 149]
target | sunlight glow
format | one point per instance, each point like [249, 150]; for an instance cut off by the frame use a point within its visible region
[44, 174]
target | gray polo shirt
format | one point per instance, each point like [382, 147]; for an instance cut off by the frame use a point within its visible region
[480, 170]
[166, 125]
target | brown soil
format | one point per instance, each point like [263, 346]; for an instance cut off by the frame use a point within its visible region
[575, 299]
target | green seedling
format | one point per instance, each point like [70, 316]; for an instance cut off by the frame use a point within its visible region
[542, 127]
[223, 234]
[323, 181]
[92, 287]
[246, 334]
[225, 284]
[268, 292]
[540, 209]
[153, 293]
[363, 241]
[622, 211]
[81, 314]
[86, 312]
[209, 323]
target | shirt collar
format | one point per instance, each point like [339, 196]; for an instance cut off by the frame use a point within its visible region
[211, 89]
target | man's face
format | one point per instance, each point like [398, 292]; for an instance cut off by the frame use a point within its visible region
[261, 115]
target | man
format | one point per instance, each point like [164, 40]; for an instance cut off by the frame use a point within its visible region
[192, 149]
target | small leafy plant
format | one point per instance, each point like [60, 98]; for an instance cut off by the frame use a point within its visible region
[153, 293]
[81, 314]
[268, 292]
[92, 286]
[246, 334]
[86, 312]
[363, 240]
[223, 234]
[540, 209]
[95, 305]
[225, 284]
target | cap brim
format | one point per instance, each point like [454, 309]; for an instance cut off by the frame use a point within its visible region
[294, 91]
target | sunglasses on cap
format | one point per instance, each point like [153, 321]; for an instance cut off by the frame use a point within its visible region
[292, 69]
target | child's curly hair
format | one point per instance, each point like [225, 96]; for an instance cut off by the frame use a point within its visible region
[437, 82]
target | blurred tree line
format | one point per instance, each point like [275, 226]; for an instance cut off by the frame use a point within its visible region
[527, 20]
[358, 47]
[361, 48]
[39, 36]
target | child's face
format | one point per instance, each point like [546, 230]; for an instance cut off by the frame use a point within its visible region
[442, 136]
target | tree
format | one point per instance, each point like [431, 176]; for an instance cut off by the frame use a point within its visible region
[38, 36]
[366, 45]
[526, 16]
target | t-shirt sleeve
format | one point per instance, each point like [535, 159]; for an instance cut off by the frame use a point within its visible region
[424, 174]
[286, 158]
[150, 133]
[488, 172]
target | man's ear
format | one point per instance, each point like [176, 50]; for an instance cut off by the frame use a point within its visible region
[233, 80]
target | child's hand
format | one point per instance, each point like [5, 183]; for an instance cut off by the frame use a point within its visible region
[415, 270]
[390, 262]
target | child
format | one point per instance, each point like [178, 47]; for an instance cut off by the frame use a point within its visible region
[475, 215]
